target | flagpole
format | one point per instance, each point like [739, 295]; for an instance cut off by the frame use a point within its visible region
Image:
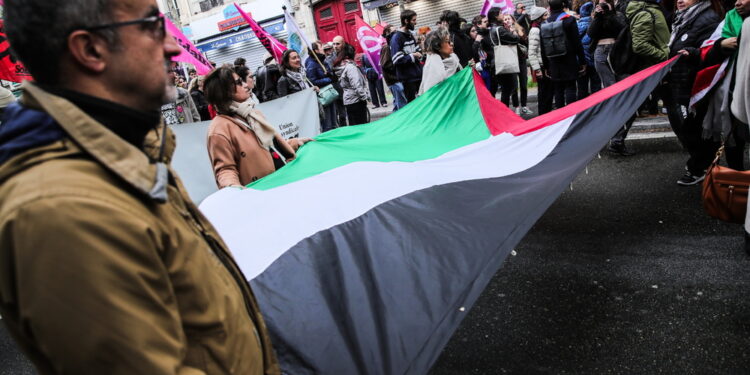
[315, 54]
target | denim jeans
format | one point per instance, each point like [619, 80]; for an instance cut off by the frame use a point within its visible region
[399, 100]
[601, 64]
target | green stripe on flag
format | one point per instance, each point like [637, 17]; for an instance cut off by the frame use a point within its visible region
[445, 118]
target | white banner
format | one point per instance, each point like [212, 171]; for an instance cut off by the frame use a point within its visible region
[293, 116]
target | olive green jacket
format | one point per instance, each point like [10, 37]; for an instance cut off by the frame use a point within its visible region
[107, 267]
[650, 35]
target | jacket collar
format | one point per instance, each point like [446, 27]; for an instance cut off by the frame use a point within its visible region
[114, 153]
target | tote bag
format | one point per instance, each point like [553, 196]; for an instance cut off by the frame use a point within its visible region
[506, 57]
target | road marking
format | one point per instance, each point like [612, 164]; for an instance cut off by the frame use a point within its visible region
[654, 135]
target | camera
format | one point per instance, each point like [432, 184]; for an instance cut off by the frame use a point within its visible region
[605, 7]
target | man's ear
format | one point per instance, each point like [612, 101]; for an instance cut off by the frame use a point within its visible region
[88, 50]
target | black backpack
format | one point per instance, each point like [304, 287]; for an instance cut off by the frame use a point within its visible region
[621, 58]
[553, 37]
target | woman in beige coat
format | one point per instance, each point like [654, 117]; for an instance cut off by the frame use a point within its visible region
[242, 145]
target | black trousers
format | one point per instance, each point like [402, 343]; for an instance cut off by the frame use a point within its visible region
[357, 112]
[545, 93]
[565, 93]
[508, 84]
[523, 84]
[377, 92]
[410, 90]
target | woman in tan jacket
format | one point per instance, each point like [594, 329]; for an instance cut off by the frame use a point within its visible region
[242, 145]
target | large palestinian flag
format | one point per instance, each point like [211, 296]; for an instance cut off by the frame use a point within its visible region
[367, 251]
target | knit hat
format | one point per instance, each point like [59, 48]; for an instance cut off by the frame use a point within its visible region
[536, 12]
[6, 97]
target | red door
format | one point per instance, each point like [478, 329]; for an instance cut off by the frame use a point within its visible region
[337, 17]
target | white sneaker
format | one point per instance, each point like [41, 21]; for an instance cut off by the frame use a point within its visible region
[518, 111]
[526, 111]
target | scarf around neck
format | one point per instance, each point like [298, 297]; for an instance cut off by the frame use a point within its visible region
[298, 76]
[255, 121]
[686, 17]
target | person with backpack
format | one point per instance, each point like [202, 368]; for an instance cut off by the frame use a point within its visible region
[649, 36]
[406, 55]
[545, 89]
[692, 26]
[389, 71]
[562, 53]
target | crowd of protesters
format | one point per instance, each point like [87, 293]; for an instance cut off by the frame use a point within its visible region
[566, 49]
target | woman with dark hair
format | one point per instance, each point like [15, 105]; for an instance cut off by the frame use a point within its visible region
[694, 22]
[293, 77]
[462, 43]
[441, 62]
[354, 84]
[242, 144]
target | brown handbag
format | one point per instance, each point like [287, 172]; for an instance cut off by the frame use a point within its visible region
[725, 191]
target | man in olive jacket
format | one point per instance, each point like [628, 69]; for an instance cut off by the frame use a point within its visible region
[650, 33]
[106, 266]
[650, 38]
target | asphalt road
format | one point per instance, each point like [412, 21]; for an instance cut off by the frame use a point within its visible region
[624, 274]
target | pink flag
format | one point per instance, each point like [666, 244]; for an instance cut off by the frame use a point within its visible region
[371, 43]
[189, 53]
[506, 6]
[272, 45]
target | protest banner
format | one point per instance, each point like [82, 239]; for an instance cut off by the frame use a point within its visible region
[273, 46]
[10, 68]
[191, 159]
[189, 53]
[506, 6]
[371, 43]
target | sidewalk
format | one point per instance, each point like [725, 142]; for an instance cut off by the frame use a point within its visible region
[657, 126]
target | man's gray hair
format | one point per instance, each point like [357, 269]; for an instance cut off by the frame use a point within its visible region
[38, 31]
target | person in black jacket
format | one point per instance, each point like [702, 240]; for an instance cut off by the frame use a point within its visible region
[503, 33]
[462, 43]
[692, 26]
[564, 70]
[293, 77]
[605, 27]
[196, 92]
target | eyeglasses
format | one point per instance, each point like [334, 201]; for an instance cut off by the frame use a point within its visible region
[239, 82]
[154, 25]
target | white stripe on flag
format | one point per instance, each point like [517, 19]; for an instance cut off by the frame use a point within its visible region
[243, 217]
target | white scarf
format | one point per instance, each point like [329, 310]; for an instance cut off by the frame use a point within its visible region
[437, 69]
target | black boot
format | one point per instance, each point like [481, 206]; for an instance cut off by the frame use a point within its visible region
[620, 149]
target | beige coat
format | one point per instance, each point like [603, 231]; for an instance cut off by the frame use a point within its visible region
[98, 277]
[236, 154]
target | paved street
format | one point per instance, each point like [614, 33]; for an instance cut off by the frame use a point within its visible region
[624, 274]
